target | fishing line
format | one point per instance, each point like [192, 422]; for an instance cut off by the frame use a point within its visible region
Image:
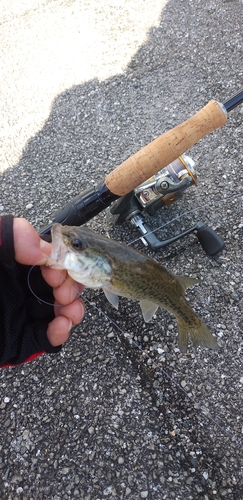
[39, 298]
[226, 431]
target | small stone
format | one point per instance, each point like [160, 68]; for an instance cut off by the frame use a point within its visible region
[65, 470]
[16, 479]
[6, 400]
[49, 391]
[121, 460]
[25, 434]
[144, 494]
[29, 206]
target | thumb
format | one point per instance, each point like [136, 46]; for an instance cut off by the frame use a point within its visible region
[29, 248]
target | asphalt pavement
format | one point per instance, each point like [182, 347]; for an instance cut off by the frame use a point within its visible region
[120, 413]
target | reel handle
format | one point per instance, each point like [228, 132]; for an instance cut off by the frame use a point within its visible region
[165, 149]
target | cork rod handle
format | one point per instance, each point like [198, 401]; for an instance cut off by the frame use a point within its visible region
[165, 149]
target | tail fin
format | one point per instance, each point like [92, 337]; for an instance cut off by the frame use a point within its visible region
[200, 336]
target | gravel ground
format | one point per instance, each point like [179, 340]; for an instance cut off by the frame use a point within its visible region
[119, 413]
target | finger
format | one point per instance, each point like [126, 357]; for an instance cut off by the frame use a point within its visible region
[28, 246]
[68, 291]
[58, 330]
[74, 311]
[53, 277]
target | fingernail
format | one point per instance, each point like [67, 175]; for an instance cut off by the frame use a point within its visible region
[70, 326]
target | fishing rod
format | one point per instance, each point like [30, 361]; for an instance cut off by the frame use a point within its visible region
[157, 161]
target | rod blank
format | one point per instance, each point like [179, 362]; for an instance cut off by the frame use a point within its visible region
[234, 101]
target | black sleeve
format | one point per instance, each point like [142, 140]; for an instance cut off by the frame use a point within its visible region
[23, 318]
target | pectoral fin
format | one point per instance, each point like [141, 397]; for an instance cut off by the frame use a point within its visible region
[148, 309]
[112, 297]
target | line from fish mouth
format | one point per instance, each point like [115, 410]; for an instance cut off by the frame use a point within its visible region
[226, 430]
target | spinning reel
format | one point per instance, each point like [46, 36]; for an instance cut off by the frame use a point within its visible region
[162, 189]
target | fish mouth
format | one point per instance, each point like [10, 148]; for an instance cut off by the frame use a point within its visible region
[59, 249]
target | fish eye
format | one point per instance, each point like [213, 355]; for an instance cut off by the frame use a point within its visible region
[76, 244]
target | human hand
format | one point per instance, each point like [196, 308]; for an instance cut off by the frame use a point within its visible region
[69, 310]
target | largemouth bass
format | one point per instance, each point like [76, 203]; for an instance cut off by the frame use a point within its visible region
[100, 262]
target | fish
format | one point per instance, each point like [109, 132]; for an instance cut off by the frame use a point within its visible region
[119, 270]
